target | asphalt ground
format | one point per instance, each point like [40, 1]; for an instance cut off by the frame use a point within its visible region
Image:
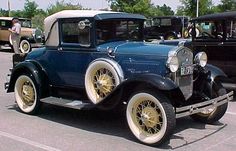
[62, 129]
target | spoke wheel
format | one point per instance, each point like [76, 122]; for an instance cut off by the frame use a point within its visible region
[26, 94]
[150, 120]
[101, 79]
[25, 46]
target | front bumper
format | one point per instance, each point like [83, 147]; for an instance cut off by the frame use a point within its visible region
[199, 107]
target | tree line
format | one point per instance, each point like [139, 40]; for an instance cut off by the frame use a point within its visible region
[144, 7]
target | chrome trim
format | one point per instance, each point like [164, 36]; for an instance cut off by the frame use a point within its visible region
[199, 107]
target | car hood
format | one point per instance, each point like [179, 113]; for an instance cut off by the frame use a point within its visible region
[124, 47]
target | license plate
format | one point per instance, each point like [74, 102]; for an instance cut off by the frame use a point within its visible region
[187, 70]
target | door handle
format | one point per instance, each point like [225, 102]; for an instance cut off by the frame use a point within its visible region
[219, 44]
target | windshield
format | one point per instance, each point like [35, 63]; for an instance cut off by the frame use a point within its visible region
[117, 30]
[25, 23]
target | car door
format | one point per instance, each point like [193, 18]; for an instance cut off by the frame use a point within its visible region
[68, 64]
[215, 41]
[4, 33]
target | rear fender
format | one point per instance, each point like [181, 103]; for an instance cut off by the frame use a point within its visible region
[33, 69]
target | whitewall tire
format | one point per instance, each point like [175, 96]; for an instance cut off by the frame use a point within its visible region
[25, 46]
[150, 118]
[101, 79]
[26, 94]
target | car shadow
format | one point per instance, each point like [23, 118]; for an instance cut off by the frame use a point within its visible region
[108, 123]
[6, 50]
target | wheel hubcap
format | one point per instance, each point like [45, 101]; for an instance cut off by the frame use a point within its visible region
[148, 117]
[104, 82]
[27, 94]
[25, 46]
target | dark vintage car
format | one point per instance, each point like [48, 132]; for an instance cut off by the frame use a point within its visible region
[168, 27]
[217, 37]
[97, 59]
[30, 37]
[215, 34]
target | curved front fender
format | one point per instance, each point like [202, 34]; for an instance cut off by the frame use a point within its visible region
[215, 73]
[141, 82]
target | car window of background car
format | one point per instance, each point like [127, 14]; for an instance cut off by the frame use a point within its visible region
[165, 22]
[72, 33]
[6, 24]
[209, 30]
[231, 29]
[156, 22]
[25, 23]
[107, 31]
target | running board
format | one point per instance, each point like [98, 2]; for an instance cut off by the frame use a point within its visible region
[74, 104]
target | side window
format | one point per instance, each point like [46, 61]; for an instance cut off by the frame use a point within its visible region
[4, 23]
[166, 22]
[156, 22]
[209, 30]
[231, 29]
[76, 32]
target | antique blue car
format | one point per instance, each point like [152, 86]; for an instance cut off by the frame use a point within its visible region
[97, 59]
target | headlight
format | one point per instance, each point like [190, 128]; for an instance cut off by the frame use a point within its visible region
[201, 59]
[173, 63]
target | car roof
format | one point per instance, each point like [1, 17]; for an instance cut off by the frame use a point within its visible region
[171, 17]
[10, 18]
[216, 16]
[98, 15]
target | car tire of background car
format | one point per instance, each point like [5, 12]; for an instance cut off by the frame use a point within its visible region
[150, 117]
[170, 37]
[214, 114]
[25, 46]
[100, 79]
[27, 94]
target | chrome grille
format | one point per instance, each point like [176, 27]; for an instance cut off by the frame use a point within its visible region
[185, 83]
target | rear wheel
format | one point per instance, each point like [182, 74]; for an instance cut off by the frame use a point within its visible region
[27, 94]
[150, 117]
[212, 115]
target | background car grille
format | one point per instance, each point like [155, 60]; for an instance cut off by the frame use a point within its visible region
[185, 83]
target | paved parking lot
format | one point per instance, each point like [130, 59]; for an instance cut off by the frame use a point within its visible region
[60, 129]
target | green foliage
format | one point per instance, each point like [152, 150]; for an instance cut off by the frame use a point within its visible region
[30, 9]
[132, 6]
[189, 7]
[61, 5]
[227, 5]
[37, 21]
[3, 12]
[144, 7]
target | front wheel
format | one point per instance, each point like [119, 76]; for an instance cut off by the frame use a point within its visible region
[212, 115]
[27, 94]
[25, 46]
[150, 117]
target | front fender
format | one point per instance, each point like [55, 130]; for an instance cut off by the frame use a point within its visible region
[216, 74]
[27, 67]
[141, 82]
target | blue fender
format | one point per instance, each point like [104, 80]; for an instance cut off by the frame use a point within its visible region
[34, 70]
[145, 82]
[215, 73]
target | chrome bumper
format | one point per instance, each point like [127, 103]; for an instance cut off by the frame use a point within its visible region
[199, 107]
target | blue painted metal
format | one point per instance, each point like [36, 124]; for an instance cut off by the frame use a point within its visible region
[68, 67]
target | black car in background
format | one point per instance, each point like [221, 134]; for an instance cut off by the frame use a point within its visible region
[168, 27]
[217, 37]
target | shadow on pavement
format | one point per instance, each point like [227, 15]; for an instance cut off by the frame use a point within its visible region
[111, 124]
